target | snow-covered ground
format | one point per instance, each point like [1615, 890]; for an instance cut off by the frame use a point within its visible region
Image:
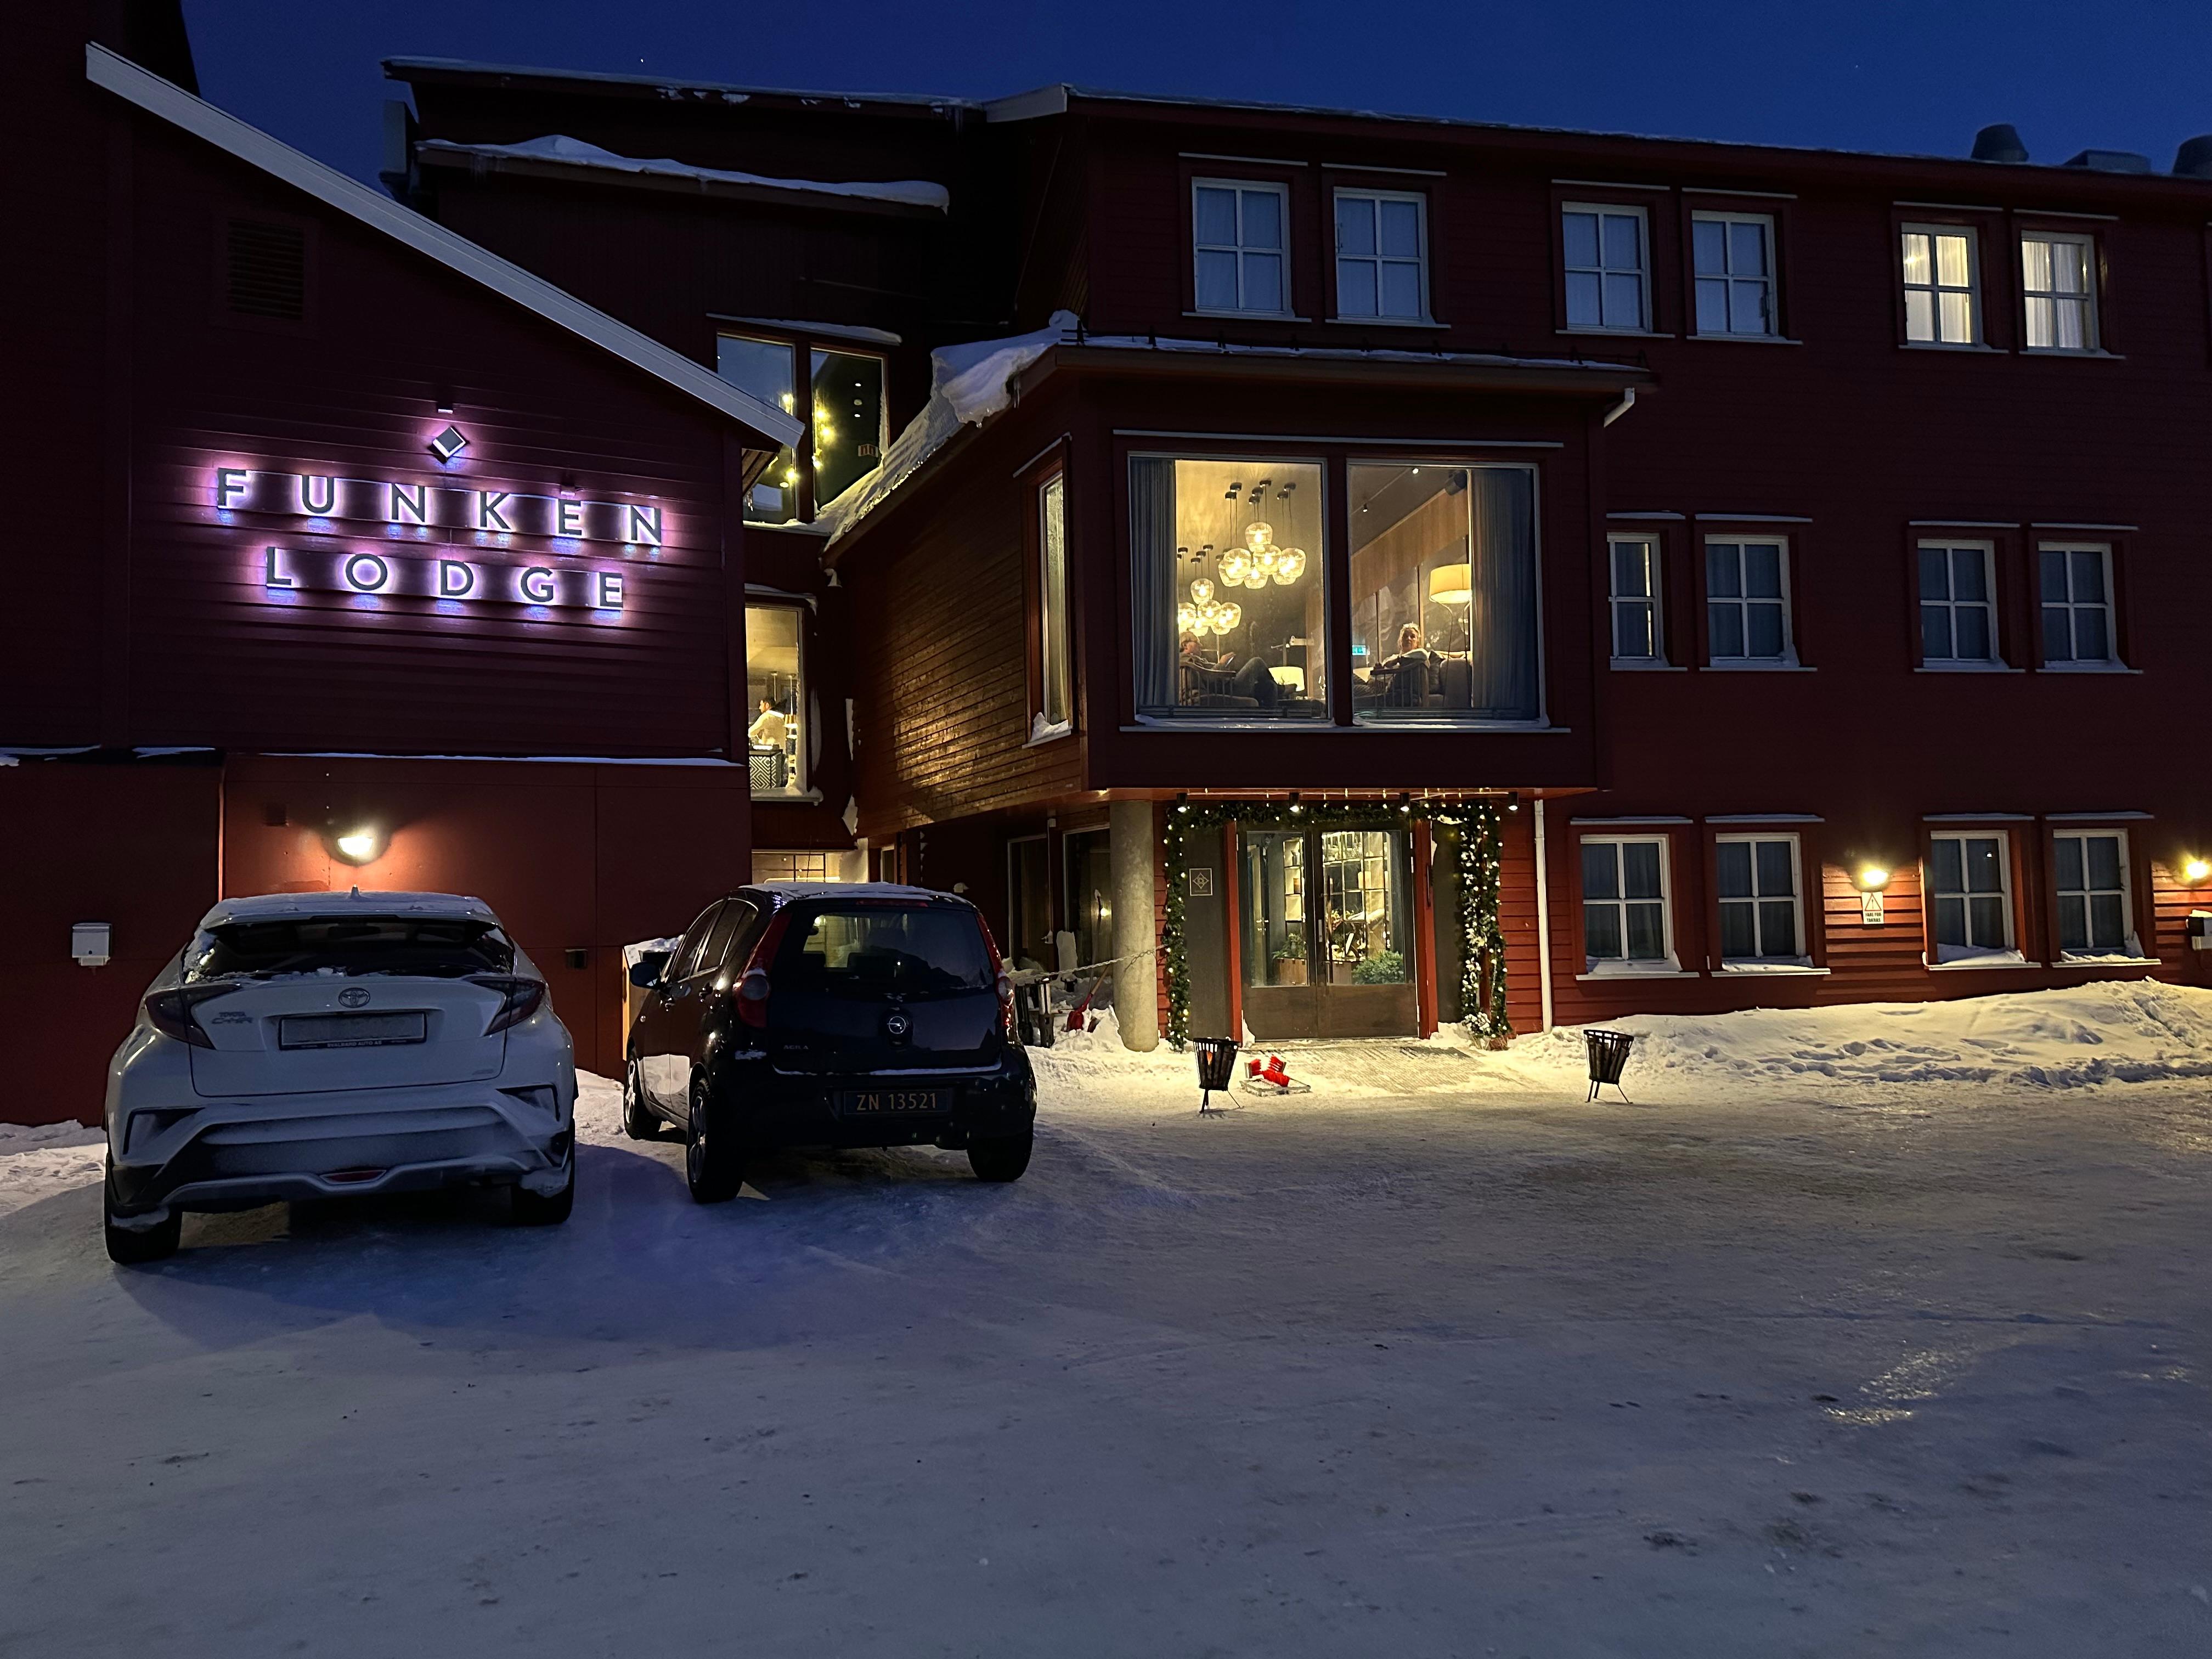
[1873, 1331]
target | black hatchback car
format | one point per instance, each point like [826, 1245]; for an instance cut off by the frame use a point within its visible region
[821, 1014]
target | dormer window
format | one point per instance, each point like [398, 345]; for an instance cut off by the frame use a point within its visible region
[1239, 236]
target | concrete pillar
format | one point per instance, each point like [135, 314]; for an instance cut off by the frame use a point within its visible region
[1136, 996]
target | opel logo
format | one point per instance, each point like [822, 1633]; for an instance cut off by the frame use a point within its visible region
[897, 1026]
[353, 997]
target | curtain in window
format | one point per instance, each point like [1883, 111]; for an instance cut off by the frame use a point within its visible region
[1152, 581]
[1504, 512]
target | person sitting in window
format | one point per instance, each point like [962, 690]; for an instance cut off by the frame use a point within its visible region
[1204, 677]
[769, 729]
[1405, 679]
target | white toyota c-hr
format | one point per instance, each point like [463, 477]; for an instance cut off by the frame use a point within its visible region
[307, 1045]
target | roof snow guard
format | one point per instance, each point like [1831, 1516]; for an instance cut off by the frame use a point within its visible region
[357, 201]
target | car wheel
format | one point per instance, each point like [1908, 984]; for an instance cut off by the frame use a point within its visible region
[1003, 1157]
[639, 1120]
[714, 1163]
[134, 1247]
[531, 1209]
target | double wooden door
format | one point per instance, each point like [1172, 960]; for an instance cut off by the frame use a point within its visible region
[1326, 933]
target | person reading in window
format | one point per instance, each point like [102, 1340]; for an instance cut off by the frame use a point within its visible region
[1405, 678]
[1216, 676]
[768, 730]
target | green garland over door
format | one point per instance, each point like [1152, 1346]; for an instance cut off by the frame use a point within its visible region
[1474, 833]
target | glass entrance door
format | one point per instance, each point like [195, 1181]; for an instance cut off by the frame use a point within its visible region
[1327, 934]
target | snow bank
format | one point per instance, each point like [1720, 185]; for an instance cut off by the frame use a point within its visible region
[574, 152]
[41, 1160]
[968, 384]
[2136, 1031]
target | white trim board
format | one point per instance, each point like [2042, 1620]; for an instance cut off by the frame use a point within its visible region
[357, 201]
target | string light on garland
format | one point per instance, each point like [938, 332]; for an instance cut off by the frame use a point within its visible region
[1473, 831]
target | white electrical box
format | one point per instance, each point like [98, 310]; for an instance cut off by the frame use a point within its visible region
[88, 943]
[2200, 930]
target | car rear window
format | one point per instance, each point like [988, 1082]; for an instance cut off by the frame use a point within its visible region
[436, 946]
[862, 948]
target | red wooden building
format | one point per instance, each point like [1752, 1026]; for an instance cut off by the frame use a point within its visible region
[1404, 562]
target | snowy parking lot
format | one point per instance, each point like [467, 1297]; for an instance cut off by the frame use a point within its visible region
[1873, 1331]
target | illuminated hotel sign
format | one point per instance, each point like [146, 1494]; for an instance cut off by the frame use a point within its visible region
[432, 539]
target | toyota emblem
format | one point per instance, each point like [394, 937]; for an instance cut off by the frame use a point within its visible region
[897, 1026]
[353, 997]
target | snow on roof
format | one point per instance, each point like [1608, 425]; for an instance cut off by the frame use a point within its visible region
[724, 91]
[565, 151]
[256, 149]
[974, 382]
[279, 907]
[968, 384]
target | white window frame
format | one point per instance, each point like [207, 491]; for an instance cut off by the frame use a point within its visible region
[1954, 604]
[2007, 955]
[1240, 188]
[1056, 638]
[1378, 258]
[1744, 602]
[1727, 277]
[1936, 287]
[2130, 948]
[1802, 957]
[1654, 600]
[1602, 270]
[2109, 605]
[1624, 966]
[2092, 331]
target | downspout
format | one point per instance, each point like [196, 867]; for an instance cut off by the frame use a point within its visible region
[1543, 921]
[1627, 402]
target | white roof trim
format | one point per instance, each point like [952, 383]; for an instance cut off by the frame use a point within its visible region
[256, 149]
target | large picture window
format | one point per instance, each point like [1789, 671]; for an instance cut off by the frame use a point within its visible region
[1444, 593]
[845, 436]
[776, 695]
[1229, 615]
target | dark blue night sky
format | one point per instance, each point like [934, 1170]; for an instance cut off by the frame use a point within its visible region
[1879, 75]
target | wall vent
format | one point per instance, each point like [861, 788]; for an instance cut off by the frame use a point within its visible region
[267, 270]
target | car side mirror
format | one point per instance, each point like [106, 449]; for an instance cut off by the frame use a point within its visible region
[647, 974]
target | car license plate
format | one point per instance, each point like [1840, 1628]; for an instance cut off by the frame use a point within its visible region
[348, 1031]
[884, 1103]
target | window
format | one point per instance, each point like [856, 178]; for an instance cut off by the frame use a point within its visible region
[1970, 897]
[1747, 603]
[2059, 286]
[1238, 238]
[1382, 255]
[1733, 260]
[1636, 637]
[1608, 275]
[844, 440]
[1229, 617]
[1940, 302]
[1958, 612]
[808, 867]
[2096, 917]
[1625, 921]
[1762, 918]
[775, 692]
[2077, 604]
[1444, 593]
[1056, 672]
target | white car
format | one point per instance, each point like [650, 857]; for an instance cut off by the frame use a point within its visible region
[307, 1045]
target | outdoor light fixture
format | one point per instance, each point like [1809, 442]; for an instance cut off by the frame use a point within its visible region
[1872, 879]
[359, 845]
[2193, 870]
[449, 443]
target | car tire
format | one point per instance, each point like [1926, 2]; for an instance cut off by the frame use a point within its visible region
[530, 1209]
[134, 1247]
[713, 1162]
[639, 1120]
[1002, 1157]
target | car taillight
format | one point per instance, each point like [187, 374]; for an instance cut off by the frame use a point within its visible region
[518, 999]
[171, 1011]
[751, 992]
[1005, 985]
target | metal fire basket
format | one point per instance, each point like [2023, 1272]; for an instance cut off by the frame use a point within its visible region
[1608, 1058]
[1217, 1064]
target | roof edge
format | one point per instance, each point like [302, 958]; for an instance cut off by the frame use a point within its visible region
[256, 149]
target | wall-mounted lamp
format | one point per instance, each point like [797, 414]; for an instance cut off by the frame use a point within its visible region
[449, 443]
[362, 845]
[1872, 878]
[2195, 870]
